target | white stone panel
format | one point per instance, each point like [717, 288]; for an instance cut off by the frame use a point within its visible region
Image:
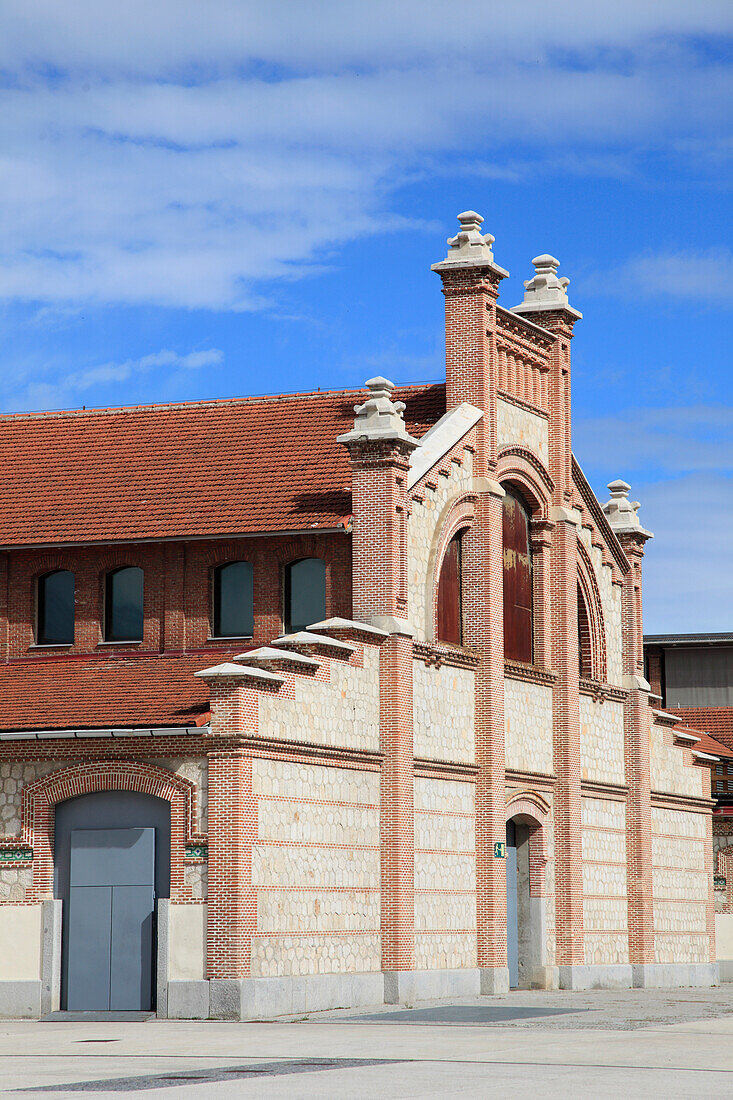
[195, 876]
[14, 881]
[682, 949]
[444, 951]
[443, 710]
[20, 937]
[274, 866]
[286, 956]
[602, 740]
[316, 781]
[528, 726]
[434, 869]
[669, 770]
[607, 879]
[308, 822]
[678, 852]
[423, 522]
[13, 778]
[445, 912]
[679, 823]
[196, 770]
[680, 916]
[343, 712]
[440, 832]
[603, 847]
[671, 883]
[520, 427]
[282, 911]
[187, 943]
[605, 914]
[603, 813]
[606, 948]
[444, 796]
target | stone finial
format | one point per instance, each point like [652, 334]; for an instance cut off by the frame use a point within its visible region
[622, 512]
[379, 417]
[546, 290]
[470, 247]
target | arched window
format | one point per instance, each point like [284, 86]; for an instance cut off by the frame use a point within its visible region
[55, 608]
[517, 579]
[123, 605]
[449, 624]
[305, 593]
[585, 647]
[233, 602]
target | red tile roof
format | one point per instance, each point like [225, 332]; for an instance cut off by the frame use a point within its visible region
[715, 720]
[709, 744]
[176, 471]
[93, 692]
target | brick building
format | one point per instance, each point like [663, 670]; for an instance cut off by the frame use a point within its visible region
[301, 708]
[692, 675]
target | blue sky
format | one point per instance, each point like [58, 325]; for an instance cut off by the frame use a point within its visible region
[204, 200]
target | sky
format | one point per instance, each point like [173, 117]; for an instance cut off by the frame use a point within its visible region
[210, 199]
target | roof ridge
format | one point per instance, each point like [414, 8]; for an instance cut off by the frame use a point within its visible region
[213, 402]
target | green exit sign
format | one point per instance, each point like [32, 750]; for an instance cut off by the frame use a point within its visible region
[500, 850]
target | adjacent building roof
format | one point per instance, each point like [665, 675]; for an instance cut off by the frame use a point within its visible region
[192, 470]
[688, 639]
[79, 693]
[715, 720]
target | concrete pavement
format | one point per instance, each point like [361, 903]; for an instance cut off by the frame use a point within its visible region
[642, 1043]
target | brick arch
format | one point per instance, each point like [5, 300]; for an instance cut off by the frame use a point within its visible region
[534, 810]
[458, 514]
[41, 797]
[519, 467]
[594, 606]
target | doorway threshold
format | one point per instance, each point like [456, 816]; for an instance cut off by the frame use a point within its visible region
[93, 1017]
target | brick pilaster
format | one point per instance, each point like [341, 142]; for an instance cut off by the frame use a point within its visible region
[637, 764]
[232, 901]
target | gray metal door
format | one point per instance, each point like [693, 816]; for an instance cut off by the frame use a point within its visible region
[110, 919]
[512, 906]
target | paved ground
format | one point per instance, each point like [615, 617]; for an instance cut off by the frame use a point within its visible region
[671, 1044]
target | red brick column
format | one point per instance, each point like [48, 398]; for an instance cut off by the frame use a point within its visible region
[397, 819]
[484, 632]
[638, 768]
[232, 901]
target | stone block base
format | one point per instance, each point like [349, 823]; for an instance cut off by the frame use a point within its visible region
[725, 970]
[20, 1000]
[676, 975]
[188, 1000]
[545, 977]
[494, 980]
[406, 987]
[596, 977]
[262, 998]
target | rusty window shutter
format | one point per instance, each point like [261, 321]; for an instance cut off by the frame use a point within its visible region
[517, 581]
[449, 594]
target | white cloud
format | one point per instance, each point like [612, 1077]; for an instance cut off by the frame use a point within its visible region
[685, 274]
[177, 153]
[60, 389]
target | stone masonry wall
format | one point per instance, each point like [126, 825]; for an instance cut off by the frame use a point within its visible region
[605, 913]
[421, 534]
[670, 771]
[519, 426]
[445, 874]
[316, 866]
[602, 741]
[340, 711]
[528, 726]
[680, 886]
[443, 703]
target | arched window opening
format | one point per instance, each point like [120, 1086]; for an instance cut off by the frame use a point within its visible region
[123, 605]
[517, 579]
[449, 624]
[585, 647]
[233, 600]
[305, 593]
[55, 608]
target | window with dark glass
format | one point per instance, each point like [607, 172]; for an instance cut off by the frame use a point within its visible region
[517, 579]
[305, 593]
[233, 600]
[55, 612]
[449, 595]
[123, 605]
[585, 662]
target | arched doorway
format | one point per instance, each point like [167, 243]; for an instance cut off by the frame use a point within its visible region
[111, 864]
[526, 917]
